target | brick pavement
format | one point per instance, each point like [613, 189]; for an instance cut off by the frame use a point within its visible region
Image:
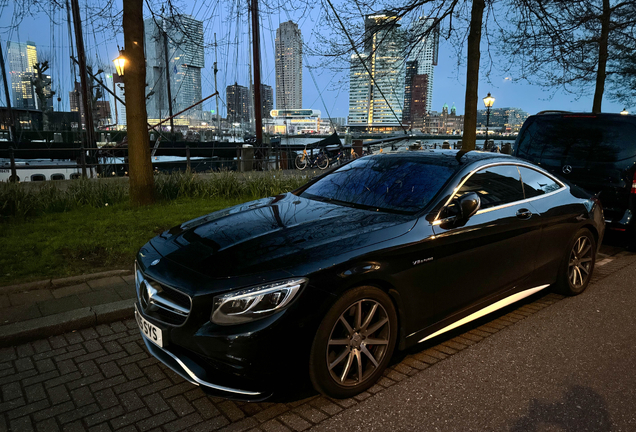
[102, 379]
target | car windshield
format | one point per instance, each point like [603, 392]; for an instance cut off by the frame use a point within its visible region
[388, 183]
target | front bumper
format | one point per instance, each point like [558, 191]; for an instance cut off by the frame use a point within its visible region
[194, 373]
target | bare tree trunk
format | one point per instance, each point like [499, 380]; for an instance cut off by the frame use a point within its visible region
[472, 76]
[140, 166]
[602, 57]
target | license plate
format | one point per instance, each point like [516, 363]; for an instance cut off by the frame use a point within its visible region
[151, 331]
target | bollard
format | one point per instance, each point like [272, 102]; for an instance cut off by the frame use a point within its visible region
[14, 174]
[188, 168]
[357, 147]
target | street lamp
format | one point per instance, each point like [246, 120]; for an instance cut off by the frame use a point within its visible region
[119, 63]
[624, 112]
[488, 102]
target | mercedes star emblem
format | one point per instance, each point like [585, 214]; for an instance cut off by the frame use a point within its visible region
[567, 169]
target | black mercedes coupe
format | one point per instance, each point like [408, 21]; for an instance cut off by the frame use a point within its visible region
[386, 251]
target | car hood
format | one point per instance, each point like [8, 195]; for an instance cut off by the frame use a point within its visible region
[275, 233]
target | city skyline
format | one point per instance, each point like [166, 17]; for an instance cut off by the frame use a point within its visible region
[332, 86]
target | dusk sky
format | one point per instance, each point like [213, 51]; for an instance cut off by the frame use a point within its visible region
[101, 44]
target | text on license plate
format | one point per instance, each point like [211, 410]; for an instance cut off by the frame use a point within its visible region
[151, 331]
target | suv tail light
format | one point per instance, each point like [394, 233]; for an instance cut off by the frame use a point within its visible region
[634, 183]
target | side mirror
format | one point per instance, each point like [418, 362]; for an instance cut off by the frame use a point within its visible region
[468, 205]
[460, 210]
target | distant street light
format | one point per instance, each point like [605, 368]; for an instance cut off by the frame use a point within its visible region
[119, 63]
[624, 112]
[488, 102]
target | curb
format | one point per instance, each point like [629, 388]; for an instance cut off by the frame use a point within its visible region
[61, 282]
[53, 325]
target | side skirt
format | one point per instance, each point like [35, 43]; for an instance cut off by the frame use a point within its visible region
[488, 309]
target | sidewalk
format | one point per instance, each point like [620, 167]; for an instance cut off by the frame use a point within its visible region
[50, 307]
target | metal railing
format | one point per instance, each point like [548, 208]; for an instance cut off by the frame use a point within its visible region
[113, 161]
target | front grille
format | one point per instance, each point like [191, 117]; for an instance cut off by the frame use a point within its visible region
[162, 302]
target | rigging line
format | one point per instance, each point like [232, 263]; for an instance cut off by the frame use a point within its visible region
[227, 52]
[71, 47]
[271, 34]
[237, 38]
[365, 65]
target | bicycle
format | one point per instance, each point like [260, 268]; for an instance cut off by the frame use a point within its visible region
[320, 160]
[343, 156]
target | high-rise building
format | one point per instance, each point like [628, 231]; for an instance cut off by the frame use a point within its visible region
[238, 103]
[184, 36]
[267, 100]
[411, 71]
[117, 109]
[426, 52]
[419, 100]
[377, 102]
[22, 57]
[289, 66]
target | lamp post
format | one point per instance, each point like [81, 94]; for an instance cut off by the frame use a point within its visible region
[120, 62]
[488, 102]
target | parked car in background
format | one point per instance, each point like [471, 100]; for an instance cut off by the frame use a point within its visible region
[387, 251]
[594, 151]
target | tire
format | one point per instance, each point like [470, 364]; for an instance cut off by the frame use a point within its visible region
[578, 264]
[323, 162]
[300, 162]
[341, 344]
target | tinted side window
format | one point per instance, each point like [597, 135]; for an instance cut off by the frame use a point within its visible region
[495, 186]
[585, 138]
[535, 183]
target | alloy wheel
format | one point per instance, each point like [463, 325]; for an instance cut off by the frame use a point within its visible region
[580, 264]
[358, 342]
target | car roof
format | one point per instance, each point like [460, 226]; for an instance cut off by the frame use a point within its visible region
[587, 115]
[451, 158]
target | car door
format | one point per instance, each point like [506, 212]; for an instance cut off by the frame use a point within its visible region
[495, 250]
[557, 216]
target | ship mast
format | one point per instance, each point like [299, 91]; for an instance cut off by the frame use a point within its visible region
[256, 49]
[216, 90]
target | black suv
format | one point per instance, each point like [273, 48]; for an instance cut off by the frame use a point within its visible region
[594, 151]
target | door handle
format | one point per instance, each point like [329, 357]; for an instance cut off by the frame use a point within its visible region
[524, 213]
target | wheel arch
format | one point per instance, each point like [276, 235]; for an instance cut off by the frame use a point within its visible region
[594, 232]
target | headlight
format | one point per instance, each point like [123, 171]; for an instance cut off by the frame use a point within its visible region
[254, 303]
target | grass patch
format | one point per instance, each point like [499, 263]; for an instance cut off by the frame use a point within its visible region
[87, 226]
[20, 202]
[89, 239]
